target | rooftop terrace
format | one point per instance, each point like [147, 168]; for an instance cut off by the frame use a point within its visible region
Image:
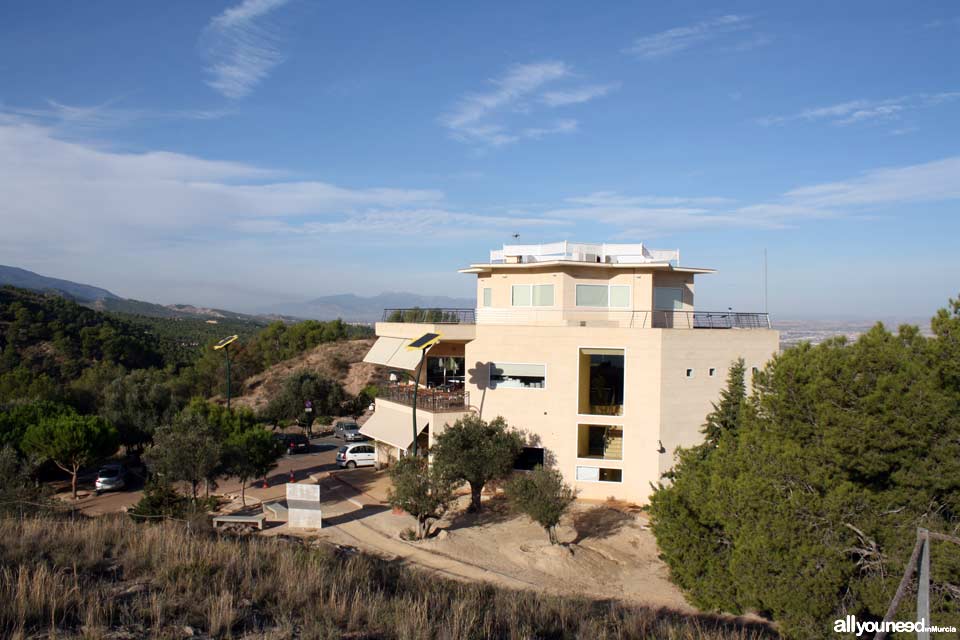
[584, 252]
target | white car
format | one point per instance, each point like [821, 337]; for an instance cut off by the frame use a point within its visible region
[352, 456]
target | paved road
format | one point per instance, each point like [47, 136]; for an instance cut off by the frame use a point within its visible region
[322, 457]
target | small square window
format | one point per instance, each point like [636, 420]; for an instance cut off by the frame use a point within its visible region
[689, 373]
[712, 372]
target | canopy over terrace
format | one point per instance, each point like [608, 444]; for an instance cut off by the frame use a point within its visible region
[394, 426]
[393, 352]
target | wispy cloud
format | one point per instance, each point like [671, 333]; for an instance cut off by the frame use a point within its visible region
[577, 95]
[860, 111]
[677, 39]
[64, 195]
[242, 47]
[871, 193]
[107, 115]
[488, 118]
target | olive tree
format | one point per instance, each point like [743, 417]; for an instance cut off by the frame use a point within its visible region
[543, 496]
[420, 490]
[477, 452]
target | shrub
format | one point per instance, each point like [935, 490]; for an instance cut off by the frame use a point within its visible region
[420, 490]
[543, 496]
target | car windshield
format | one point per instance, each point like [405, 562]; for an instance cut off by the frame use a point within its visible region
[109, 473]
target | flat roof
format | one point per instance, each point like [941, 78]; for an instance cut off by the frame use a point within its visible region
[567, 264]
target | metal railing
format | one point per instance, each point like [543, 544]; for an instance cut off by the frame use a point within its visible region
[583, 252]
[625, 318]
[433, 400]
[433, 316]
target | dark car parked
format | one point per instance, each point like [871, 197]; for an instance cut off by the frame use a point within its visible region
[294, 442]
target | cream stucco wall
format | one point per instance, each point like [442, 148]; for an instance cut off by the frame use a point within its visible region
[661, 405]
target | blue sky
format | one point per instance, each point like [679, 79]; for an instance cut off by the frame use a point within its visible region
[244, 153]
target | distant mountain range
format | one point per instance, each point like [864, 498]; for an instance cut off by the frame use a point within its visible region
[353, 308]
[349, 307]
[104, 300]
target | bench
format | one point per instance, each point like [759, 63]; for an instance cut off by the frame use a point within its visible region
[255, 518]
[276, 510]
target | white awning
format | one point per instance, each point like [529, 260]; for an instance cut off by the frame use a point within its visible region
[394, 427]
[393, 352]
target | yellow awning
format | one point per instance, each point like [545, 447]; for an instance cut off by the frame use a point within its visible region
[394, 427]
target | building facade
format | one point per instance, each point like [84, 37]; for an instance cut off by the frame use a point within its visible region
[596, 352]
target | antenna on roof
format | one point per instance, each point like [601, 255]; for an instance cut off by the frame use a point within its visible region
[765, 280]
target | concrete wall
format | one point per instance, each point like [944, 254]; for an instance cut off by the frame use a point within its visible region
[686, 401]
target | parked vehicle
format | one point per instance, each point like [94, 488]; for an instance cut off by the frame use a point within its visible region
[351, 456]
[111, 477]
[349, 432]
[294, 442]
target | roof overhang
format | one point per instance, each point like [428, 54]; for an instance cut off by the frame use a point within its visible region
[568, 264]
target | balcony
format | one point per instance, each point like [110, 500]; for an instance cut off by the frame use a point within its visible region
[622, 318]
[431, 400]
[430, 316]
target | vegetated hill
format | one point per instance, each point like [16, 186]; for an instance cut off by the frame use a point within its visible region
[17, 277]
[353, 308]
[103, 300]
[341, 361]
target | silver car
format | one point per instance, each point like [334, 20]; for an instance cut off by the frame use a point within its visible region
[349, 432]
[111, 477]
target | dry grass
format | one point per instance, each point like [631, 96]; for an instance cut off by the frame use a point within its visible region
[95, 578]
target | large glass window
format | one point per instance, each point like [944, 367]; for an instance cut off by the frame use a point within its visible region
[520, 295]
[593, 295]
[445, 370]
[595, 474]
[529, 459]
[601, 382]
[507, 375]
[487, 297]
[537, 295]
[600, 441]
[615, 296]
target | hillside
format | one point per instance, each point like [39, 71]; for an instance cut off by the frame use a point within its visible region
[16, 277]
[341, 361]
[353, 308]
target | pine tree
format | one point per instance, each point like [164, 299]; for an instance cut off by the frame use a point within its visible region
[725, 416]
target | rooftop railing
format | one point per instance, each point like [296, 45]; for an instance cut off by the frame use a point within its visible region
[434, 400]
[583, 252]
[432, 316]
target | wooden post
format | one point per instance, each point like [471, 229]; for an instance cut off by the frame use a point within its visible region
[923, 585]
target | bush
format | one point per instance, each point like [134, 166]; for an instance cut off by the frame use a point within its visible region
[420, 490]
[543, 496]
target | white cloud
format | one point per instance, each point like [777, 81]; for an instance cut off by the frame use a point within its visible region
[577, 95]
[65, 196]
[488, 118]
[665, 43]
[74, 119]
[242, 49]
[860, 111]
[866, 195]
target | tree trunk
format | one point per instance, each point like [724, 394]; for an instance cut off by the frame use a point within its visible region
[552, 534]
[243, 491]
[73, 481]
[193, 488]
[475, 491]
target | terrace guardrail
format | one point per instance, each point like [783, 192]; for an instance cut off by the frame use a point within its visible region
[627, 318]
[431, 315]
[433, 400]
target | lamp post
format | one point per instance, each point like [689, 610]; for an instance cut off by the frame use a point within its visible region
[421, 344]
[224, 345]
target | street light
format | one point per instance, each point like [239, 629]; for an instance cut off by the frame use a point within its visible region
[421, 344]
[225, 345]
